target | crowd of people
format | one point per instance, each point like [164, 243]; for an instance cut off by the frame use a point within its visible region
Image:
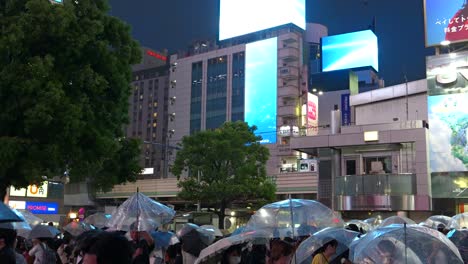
[139, 247]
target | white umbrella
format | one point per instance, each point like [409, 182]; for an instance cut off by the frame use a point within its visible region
[41, 231]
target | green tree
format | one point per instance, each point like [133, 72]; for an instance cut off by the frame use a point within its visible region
[224, 165]
[64, 89]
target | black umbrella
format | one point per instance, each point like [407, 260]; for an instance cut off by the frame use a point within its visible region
[193, 242]
[7, 215]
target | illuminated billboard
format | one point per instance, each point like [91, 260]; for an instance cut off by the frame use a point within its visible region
[241, 17]
[260, 87]
[447, 73]
[312, 115]
[351, 50]
[445, 20]
[448, 119]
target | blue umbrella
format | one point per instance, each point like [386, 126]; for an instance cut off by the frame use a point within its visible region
[7, 215]
[164, 239]
[238, 231]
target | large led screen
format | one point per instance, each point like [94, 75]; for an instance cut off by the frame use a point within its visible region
[241, 17]
[260, 87]
[446, 20]
[351, 50]
[447, 73]
[448, 122]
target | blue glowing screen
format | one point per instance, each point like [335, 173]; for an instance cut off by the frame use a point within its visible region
[445, 20]
[240, 17]
[260, 87]
[42, 207]
[351, 50]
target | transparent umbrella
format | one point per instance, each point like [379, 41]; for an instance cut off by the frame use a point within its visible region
[31, 218]
[306, 249]
[412, 244]
[98, 220]
[397, 220]
[78, 228]
[459, 221]
[293, 218]
[194, 238]
[459, 237]
[435, 221]
[216, 249]
[43, 231]
[139, 212]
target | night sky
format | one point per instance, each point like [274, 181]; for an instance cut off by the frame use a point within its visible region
[174, 24]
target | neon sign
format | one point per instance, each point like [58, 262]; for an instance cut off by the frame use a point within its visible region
[156, 55]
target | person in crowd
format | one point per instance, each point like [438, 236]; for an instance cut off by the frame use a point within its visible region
[232, 255]
[7, 240]
[388, 252]
[174, 254]
[42, 251]
[83, 244]
[108, 248]
[323, 254]
[142, 243]
[280, 252]
[255, 255]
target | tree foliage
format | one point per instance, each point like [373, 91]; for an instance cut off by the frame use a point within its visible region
[64, 88]
[226, 164]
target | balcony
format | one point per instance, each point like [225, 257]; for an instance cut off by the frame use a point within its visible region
[286, 110]
[296, 182]
[289, 73]
[288, 54]
[375, 192]
[288, 91]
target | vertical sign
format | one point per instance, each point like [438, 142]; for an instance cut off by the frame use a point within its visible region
[345, 110]
[312, 114]
[261, 72]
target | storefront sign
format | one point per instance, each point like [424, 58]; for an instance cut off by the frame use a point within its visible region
[42, 207]
[21, 205]
[33, 190]
[345, 110]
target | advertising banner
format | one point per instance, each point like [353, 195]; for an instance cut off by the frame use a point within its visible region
[345, 110]
[42, 207]
[445, 20]
[447, 77]
[33, 190]
[312, 115]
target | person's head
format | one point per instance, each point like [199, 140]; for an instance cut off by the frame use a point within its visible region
[329, 248]
[279, 248]
[386, 251]
[232, 255]
[352, 227]
[7, 236]
[109, 248]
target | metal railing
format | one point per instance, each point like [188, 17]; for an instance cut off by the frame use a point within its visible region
[376, 184]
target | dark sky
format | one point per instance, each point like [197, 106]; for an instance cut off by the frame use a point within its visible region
[173, 24]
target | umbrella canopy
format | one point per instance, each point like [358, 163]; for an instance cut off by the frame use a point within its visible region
[78, 228]
[221, 245]
[435, 221]
[293, 217]
[7, 214]
[164, 239]
[412, 244]
[43, 231]
[194, 238]
[459, 237]
[213, 229]
[360, 224]
[31, 218]
[141, 213]
[373, 221]
[22, 228]
[459, 221]
[397, 220]
[306, 249]
[98, 220]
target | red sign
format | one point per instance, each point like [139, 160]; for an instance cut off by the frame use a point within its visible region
[156, 55]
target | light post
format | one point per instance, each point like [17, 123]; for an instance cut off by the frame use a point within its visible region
[166, 147]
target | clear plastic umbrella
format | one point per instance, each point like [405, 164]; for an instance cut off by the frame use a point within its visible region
[293, 218]
[30, 218]
[214, 250]
[435, 221]
[215, 230]
[194, 238]
[459, 237]
[459, 221]
[397, 220]
[306, 249]
[43, 231]
[98, 220]
[412, 244]
[373, 221]
[78, 228]
[139, 212]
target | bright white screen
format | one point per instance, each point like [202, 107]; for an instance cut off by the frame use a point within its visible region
[240, 17]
